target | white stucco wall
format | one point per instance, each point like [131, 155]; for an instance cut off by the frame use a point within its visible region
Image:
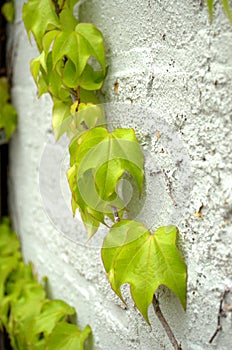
[167, 59]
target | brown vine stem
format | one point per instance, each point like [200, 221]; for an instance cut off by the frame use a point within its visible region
[220, 314]
[165, 324]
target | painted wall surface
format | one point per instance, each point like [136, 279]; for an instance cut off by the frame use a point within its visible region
[170, 77]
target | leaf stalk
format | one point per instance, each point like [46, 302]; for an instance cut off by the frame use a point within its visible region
[165, 324]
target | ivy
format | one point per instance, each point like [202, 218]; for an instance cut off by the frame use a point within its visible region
[65, 72]
[8, 115]
[131, 254]
[71, 67]
[31, 320]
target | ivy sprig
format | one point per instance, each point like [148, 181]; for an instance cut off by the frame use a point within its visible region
[63, 68]
[71, 67]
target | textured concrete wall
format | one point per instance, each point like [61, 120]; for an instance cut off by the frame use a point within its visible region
[174, 80]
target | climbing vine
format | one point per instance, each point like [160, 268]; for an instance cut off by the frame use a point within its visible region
[71, 68]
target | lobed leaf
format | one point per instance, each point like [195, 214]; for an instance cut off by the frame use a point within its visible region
[27, 316]
[67, 336]
[131, 254]
[85, 115]
[52, 312]
[98, 161]
[40, 16]
[77, 47]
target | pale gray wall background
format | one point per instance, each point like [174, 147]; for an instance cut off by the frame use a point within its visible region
[166, 56]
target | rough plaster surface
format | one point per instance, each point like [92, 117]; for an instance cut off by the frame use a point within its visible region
[166, 57]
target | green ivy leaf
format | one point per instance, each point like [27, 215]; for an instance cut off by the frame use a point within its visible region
[52, 312]
[210, 8]
[98, 160]
[67, 19]
[48, 39]
[9, 243]
[8, 11]
[227, 9]
[79, 45]
[24, 308]
[40, 16]
[8, 119]
[60, 118]
[68, 337]
[90, 79]
[85, 115]
[131, 254]
[87, 203]
[8, 115]
[7, 265]
[87, 96]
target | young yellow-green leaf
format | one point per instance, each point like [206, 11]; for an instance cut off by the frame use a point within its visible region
[23, 309]
[48, 39]
[91, 43]
[98, 160]
[79, 45]
[85, 198]
[227, 9]
[68, 337]
[8, 11]
[90, 79]
[9, 243]
[97, 147]
[52, 312]
[87, 116]
[87, 96]
[8, 115]
[210, 8]
[39, 16]
[8, 119]
[131, 254]
[67, 19]
[60, 118]
[7, 265]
